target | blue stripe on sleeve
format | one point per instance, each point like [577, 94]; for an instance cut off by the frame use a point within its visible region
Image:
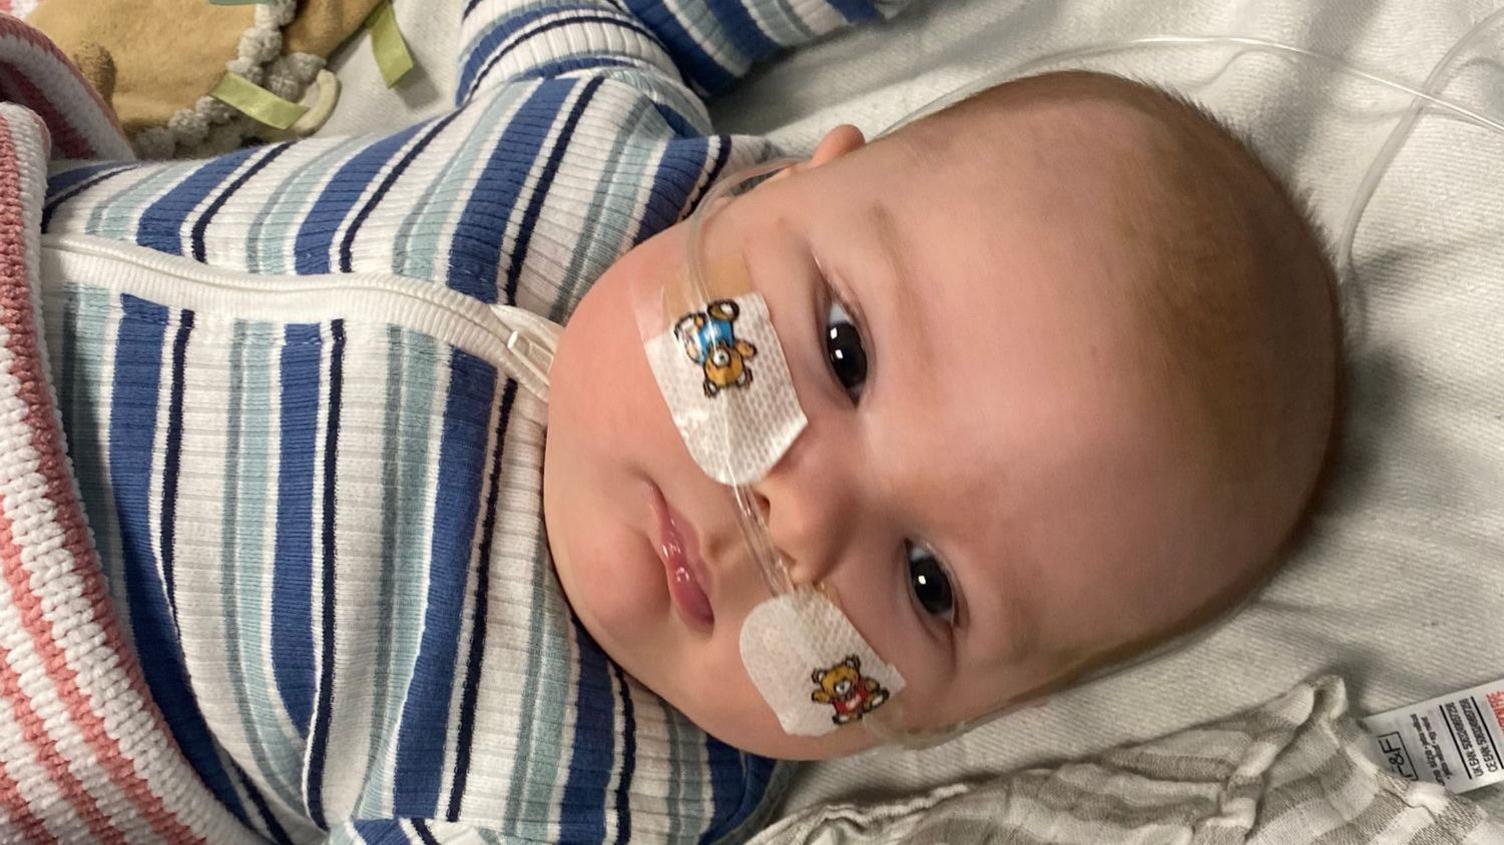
[484, 64]
[855, 11]
[315, 238]
[540, 191]
[425, 714]
[739, 782]
[548, 70]
[318, 743]
[628, 759]
[582, 812]
[269, 821]
[201, 225]
[172, 460]
[681, 126]
[485, 51]
[381, 832]
[59, 182]
[139, 348]
[161, 224]
[694, 63]
[722, 156]
[346, 244]
[425, 835]
[292, 579]
[679, 171]
[475, 661]
[59, 190]
[475, 247]
[724, 766]
[739, 28]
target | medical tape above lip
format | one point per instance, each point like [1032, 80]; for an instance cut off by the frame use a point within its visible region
[722, 372]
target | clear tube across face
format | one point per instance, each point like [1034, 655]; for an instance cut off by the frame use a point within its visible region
[717, 358]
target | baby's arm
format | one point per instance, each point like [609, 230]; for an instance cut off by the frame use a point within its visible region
[706, 44]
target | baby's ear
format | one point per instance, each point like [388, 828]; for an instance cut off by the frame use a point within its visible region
[836, 143]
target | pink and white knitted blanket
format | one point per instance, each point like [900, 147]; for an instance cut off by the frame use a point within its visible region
[84, 752]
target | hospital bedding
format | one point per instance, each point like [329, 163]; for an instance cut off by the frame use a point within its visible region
[1399, 585]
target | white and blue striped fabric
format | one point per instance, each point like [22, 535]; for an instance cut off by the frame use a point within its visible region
[315, 485]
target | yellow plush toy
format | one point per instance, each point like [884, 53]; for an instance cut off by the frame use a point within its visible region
[167, 65]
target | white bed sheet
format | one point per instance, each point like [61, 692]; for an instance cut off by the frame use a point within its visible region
[1399, 586]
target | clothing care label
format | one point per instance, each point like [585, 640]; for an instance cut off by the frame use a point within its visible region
[1454, 740]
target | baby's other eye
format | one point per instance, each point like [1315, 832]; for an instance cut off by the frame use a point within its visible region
[843, 348]
[930, 582]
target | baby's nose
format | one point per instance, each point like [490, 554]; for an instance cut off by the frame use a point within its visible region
[809, 522]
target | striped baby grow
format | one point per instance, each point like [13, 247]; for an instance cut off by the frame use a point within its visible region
[310, 466]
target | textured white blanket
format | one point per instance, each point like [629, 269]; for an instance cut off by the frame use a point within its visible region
[1295, 770]
[1400, 586]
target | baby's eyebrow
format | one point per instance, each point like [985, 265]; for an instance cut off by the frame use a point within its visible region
[893, 303]
[890, 239]
[887, 300]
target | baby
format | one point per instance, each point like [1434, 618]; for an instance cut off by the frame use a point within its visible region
[1064, 355]
[1099, 382]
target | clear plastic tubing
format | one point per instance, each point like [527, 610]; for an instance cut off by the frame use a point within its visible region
[1427, 95]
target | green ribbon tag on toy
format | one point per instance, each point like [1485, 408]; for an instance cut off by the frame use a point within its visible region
[256, 102]
[392, 57]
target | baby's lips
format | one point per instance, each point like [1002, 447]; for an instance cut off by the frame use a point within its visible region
[678, 545]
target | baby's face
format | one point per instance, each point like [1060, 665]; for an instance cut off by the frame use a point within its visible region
[1004, 439]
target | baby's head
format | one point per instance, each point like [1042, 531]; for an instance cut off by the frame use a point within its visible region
[1100, 372]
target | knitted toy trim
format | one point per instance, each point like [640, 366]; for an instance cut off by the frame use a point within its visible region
[212, 127]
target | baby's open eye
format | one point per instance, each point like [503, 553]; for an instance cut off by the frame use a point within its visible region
[843, 348]
[930, 583]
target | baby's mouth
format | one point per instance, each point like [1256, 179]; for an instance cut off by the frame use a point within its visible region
[678, 548]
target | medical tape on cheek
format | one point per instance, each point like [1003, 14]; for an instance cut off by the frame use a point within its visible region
[723, 374]
[811, 665]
